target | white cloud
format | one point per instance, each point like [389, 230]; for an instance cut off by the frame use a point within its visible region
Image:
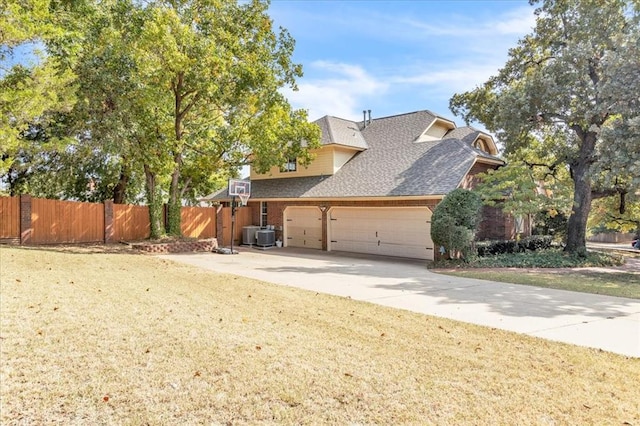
[518, 22]
[455, 78]
[340, 92]
[513, 22]
[398, 62]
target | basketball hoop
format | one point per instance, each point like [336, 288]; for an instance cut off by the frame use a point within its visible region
[237, 188]
[243, 199]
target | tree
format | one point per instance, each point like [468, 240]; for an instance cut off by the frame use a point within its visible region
[33, 101]
[528, 185]
[455, 220]
[571, 85]
[190, 90]
[37, 95]
[606, 213]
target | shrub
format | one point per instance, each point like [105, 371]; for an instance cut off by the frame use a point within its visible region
[454, 222]
[547, 258]
[532, 243]
[546, 223]
[536, 242]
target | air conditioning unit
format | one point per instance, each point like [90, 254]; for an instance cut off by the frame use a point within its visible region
[249, 234]
[265, 238]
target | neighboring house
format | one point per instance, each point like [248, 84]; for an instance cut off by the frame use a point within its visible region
[373, 185]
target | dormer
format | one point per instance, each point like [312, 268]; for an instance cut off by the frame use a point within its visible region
[340, 140]
[475, 138]
[485, 143]
[436, 130]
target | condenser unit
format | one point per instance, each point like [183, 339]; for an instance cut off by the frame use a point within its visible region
[249, 235]
[265, 238]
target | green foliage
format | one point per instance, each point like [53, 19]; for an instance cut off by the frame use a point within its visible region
[24, 21]
[156, 206]
[191, 91]
[174, 219]
[532, 243]
[455, 220]
[610, 213]
[570, 87]
[551, 258]
[530, 182]
[32, 98]
[182, 93]
[551, 222]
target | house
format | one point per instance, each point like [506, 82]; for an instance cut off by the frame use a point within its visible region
[373, 185]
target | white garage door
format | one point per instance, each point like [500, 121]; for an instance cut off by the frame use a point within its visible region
[390, 231]
[303, 227]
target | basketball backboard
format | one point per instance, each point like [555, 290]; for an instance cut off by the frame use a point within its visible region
[239, 187]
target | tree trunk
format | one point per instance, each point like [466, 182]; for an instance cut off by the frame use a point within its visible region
[174, 207]
[154, 202]
[120, 190]
[577, 224]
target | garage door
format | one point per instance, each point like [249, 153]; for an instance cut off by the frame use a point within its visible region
[303, 227]
[392, 231]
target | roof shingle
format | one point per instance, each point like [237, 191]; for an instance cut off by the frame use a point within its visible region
[392, 163]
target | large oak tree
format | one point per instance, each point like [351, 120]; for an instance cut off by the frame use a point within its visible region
[194, 88]
[572, 85]
[182, 92]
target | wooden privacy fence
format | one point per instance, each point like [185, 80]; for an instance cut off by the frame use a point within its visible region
[55, 221]
[130, 222]
[10, 219]
[27, 220]
[198, 222]
[243, 218]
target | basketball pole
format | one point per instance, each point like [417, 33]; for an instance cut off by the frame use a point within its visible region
[233, 219]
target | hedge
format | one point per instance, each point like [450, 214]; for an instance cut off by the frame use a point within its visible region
[532, 243]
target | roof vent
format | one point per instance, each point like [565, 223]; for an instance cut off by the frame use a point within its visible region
[364, 117]
[369, 111]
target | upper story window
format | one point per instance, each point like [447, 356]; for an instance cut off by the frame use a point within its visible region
[290, 166]
[263, 214]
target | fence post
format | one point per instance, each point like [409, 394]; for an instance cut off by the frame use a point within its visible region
[26, 231]
[109, 230]
[219, 226]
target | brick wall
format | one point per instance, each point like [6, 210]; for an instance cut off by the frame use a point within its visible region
[471, 180]
[496, 225]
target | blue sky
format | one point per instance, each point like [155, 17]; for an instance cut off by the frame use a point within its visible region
[396, 56]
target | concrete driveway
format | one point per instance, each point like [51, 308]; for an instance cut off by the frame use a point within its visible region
[602, 322]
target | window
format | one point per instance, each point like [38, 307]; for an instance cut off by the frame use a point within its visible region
[263, 214]
[519, 222]
[290, 166]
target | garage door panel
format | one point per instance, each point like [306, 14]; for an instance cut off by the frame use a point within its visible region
[303, 227]
[398, 231]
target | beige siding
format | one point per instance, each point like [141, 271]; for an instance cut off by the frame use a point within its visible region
[327, 161]
[341, 156]
[436, 131]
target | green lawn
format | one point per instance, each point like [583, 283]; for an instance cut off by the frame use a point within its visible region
[613, 283]
[608, 273]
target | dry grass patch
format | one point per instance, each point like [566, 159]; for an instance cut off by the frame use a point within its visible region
[121, 339]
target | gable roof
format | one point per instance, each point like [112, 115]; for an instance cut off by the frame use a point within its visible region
[392, 165]
[340, 132]
[469, 135]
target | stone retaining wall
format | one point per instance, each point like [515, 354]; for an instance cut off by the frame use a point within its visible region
[178, 246]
